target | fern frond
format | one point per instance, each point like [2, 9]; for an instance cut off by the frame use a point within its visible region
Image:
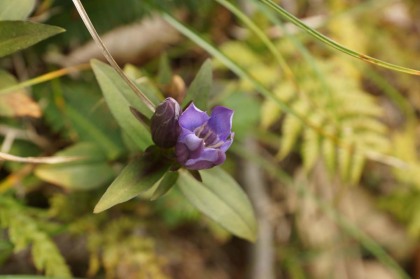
[24, 230]
[350, 121]
[270, 111]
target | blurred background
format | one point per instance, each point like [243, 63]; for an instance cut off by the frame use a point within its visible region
[326, 145]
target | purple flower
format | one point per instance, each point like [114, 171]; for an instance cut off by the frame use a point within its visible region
[204, 139]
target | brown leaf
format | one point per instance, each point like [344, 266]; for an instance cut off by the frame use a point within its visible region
[19, 104]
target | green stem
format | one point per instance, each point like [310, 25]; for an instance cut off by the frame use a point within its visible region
[263, 37]
[334, 44]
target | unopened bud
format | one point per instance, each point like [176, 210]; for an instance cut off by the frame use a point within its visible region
[164, 123]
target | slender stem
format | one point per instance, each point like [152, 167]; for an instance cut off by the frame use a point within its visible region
[334, 44]
[37, 160]
[108, 56]
[263, 37]
[43, 78]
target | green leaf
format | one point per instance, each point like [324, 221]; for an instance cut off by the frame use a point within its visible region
[18, 35]
[199, 90]
[16, 9]
[311, 145]
[328, 151]
[344, 162]
[137, 177]
[117, 95]
[88, 173]
[357, 164]
[291, 130]
[165, 184]
[222, 199]
[144, 84]
[310, 149]
[165, 71]
[89, 130]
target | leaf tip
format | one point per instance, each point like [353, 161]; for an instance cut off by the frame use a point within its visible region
[98, 208]
[102, 205]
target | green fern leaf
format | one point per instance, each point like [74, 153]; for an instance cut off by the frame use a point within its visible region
[364, 124]
[292, 128]
[24, 230]
[310, 148]
[376, 142]
[270, 111]
[344, 162]
[357, 164]
[328, 151]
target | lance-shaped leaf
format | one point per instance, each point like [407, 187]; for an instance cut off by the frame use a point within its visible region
[222, 199]
[165, 184]
[137, 177]
[117, 95]
[18, 35]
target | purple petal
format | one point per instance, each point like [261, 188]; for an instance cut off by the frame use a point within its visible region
[182, 153]
[208, 158]
[193, 117]
[192, 142]
[226, 145]
[221, 122]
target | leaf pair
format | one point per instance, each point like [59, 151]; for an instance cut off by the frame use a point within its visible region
[218, 196]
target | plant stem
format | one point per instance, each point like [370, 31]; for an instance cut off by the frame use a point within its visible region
[262, 253]
[324, 39]
[108, 56]
[43, 78]
[38, 160]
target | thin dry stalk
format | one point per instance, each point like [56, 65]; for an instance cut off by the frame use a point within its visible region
[262, 254]
[37, 160]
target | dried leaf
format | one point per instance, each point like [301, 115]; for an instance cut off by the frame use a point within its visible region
[16, 103]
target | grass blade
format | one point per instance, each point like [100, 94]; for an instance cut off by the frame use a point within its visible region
[336, 45]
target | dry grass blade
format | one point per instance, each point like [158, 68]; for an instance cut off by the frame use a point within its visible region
[324, 39]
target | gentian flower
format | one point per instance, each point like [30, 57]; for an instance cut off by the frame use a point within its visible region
[204, 139]
[164, 123]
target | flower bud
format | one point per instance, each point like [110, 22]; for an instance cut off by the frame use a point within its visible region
[164, 123]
